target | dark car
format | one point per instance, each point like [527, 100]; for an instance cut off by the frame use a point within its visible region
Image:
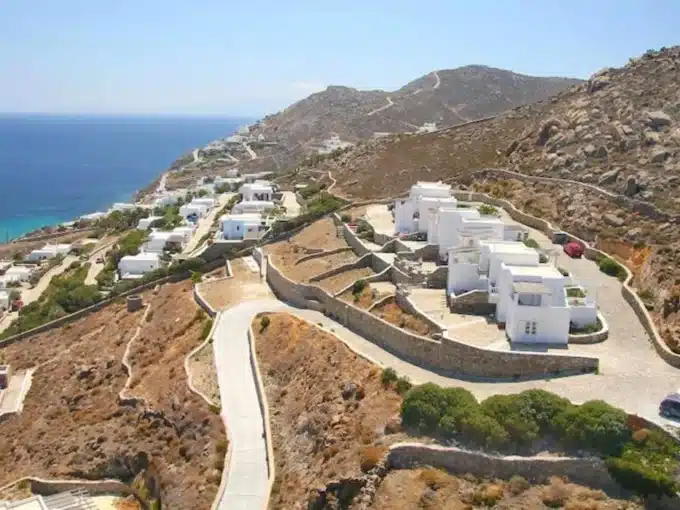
[670, 406]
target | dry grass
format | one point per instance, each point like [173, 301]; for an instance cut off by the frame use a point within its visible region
[435, 489]
[391, 312]
[285, 256]
[72, 421]
[362, 300]
[340, 281]
[320, 234]
[319, 435]
[556, 494]
[371, 457]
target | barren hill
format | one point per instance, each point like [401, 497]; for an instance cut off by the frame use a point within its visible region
[446, 97]
[619, 132]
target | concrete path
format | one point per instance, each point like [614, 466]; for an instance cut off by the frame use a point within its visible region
[291, 204]
[247, 484]
[389, 104]
[439, 81]
[250, 151]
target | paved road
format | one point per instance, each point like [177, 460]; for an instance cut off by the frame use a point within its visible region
[206, 222]
[30, 295]
[96, 267]
[291, 204]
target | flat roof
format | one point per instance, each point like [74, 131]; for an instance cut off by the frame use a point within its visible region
[530, 288]
[141, 256]
[507, 247]
[242, 217]
[539, 270]
[430, 184]
[491, 220]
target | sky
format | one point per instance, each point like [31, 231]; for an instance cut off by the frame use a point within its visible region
[253, 57]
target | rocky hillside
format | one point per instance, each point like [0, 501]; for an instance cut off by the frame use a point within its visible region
[619, 132]
[446, 97]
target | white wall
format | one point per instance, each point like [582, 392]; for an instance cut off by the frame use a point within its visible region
[583, 315]
[463, 277]
[552, 324]
[136, 266]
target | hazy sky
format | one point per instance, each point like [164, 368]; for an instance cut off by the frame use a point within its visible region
[250, 57]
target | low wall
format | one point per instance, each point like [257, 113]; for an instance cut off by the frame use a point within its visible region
[438, 278]
[474, 302]
[591, 253]
[429, 253]
[381, 238]
[447, 356]
[353, 240]
[202, 302]
[404, 302]
[591, 472]
[45, 237]
[592, 338]
[383, 276]
[364, 261]
[317, 253]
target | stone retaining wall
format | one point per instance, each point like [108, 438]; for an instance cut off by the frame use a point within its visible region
[438, 278]
[365, 261]
[383, 276]
[353, 240]
[591, 472]
[593, 254]
[474, 302]
[202, 302]
[316, 253]
[404, 302]
[447, 356]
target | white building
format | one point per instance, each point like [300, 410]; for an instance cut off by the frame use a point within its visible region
[515, 231]
[135, 266]
[145, 223]
[462, 228]
[477, 267]
[20, 273]
[232, 172]
[170, 198]
[4, 300]
[93, 216]
[242, 226]
[258, 190]
[48, 251]
[121, 206]
[182, 234]
[253, 206]
[209, 203]
[193, 209]
[412, 214]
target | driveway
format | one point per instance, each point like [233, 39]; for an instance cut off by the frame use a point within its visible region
[206, 222]
[291, 204]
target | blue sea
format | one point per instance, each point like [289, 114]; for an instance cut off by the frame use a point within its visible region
[57, 168]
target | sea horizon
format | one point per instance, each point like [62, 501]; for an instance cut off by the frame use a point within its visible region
[56, 167]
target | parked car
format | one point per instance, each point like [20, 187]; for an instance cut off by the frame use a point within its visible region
[573, 249]
[100, 260]
[670, 406]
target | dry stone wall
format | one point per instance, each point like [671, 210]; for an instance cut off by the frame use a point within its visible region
[591, 472]
[447, 356]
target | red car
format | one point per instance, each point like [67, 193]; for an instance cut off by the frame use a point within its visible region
[574, 250]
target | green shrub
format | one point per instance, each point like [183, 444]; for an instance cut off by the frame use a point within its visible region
[612, 268]
[196, 277]
[421, 415]
[543, 408]
[595, 425]
[507, 411]
[346, 218]
[640, 479]
[359, 286]
[207, 327]
[389, 376]
[264, 322]
[483, 430]
[403, 385]
[488, 210]
[531, 243]
[542, 258]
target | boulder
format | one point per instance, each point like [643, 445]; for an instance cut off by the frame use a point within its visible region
[633, 235]
[608, 177]
[660, 155]
[652, 137]
[631, 187]
[658, 119]
[613, 220]
[598, 83]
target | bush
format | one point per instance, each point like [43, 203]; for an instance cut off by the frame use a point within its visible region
[595, 425]
[488, 495]
[196, 277]
[207, 327]
[518, 484]
[482, 430]
[542, 258]
[556, 494]
[359, 286]
[507, 410]
[389, 376]
[346, 218]
[640, 479]
[488, 210]
[74, 265]
[370, 457]
[221, 446]
[531, 243]
[264, 322]
[403, 385]
[612, 268]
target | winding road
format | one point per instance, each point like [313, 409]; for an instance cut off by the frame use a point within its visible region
[439, 81]
[250, 151]
[389, 104]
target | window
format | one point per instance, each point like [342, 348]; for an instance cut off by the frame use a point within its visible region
[533, 328]
[519, 236]
[530, 327]
[238, 227]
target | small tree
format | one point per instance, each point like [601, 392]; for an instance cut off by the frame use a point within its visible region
[196, 277]
[264, 322]
[487, 210]
[359, 286]
[389, 376]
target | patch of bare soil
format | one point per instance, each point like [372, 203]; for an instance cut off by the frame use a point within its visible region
[285, 254]
[362, 300]
[73, 425]
[244, 285]
[328, 408]
[204, 373]
[338, 282]
[391, 312]
[7, 251]
[320, 234]
[433, 488]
